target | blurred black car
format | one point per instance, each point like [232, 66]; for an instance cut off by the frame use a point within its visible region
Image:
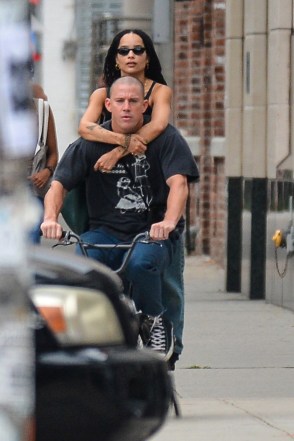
[92, 383]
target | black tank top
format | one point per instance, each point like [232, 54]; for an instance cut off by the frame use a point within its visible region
[106, 116]
[148, 111]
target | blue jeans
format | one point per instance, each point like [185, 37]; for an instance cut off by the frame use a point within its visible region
[144, 269]
[173, 293]
[34, 233]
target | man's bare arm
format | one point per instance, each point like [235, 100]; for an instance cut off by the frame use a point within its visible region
[176, 203]
[53, 203]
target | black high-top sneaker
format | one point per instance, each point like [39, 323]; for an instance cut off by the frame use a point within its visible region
[157, 334]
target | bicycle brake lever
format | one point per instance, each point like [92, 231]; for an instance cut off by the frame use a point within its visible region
[64, 241]
[146, 238]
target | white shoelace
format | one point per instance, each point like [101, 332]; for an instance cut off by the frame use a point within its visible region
[157, 335]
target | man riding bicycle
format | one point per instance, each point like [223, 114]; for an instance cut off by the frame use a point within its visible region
[146, 192]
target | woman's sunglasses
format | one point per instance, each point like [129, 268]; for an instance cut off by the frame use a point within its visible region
[138, 50]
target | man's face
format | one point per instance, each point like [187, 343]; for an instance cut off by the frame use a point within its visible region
[127, 106]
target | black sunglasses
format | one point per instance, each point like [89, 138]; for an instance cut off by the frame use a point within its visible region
[138, 50]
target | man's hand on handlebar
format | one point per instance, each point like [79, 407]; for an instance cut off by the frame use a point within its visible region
[161, 230]
[51, 230]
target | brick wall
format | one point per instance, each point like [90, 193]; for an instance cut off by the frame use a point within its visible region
[199, 83]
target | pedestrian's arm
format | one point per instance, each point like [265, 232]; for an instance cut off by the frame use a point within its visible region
[51, 142]
[53, 202]
[41, 178]
[176, 202]
[38, 91]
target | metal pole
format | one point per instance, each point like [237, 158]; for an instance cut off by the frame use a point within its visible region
[17, 141]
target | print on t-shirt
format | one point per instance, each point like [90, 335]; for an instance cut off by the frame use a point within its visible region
[134, 191]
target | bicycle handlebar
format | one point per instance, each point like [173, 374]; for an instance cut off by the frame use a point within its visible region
[84, 246]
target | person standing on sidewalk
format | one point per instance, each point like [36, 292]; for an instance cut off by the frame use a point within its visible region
[40, 180]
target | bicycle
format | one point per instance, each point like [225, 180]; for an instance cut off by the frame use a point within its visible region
[149, 327]
[146, 324]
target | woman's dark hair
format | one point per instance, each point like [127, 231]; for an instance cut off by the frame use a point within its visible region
[153, 71]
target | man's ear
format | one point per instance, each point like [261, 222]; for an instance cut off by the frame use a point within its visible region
[108, 104]
[145, 105]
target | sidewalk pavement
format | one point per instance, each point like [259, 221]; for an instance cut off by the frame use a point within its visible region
[235, 379]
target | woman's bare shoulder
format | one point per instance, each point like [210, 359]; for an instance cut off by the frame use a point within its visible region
[162, 87]
[161, 92]
[99, 94]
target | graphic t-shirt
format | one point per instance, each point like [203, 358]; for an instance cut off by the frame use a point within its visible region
[127, 200]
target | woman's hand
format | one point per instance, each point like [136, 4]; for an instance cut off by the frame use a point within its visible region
[138, 145]
[107, 161]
